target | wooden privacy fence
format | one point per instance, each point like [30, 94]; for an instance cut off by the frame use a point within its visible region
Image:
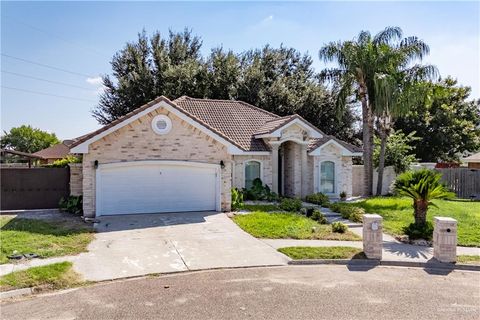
[464, 182]
[35, 188]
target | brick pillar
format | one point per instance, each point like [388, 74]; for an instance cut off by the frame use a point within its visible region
[275, 167]
[76, 179]
[305, 173]
[445, 239]
[372, 236]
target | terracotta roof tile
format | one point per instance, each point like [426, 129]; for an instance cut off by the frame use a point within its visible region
[315, 143]
[236, 120]
[272, 125]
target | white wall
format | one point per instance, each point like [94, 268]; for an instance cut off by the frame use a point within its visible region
[389, 176]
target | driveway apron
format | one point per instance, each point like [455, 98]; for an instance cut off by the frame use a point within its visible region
[134, 245]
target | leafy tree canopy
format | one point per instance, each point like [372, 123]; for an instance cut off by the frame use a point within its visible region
[280, 80]
[27, 139]
[448, 122]
[398, 151]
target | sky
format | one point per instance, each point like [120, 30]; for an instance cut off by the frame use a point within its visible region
[71, 44]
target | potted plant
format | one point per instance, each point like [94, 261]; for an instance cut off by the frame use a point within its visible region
[343, 196]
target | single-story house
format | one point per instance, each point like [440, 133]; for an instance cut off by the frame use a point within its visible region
[473, 161]
[187, 154]
[56, 152]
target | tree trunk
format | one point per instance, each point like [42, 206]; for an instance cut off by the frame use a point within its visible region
[382, 129]
[420, 207]
[367, 120]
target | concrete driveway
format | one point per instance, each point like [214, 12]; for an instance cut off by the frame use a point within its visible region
[133, 245]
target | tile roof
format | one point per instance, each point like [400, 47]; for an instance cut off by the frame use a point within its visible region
[315, 143]
[58, 151]
[236, 120]
[272, 125]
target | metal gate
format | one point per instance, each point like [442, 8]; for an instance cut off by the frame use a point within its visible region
[35, 188]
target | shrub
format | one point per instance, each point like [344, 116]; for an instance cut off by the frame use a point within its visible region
[415, 231]
[335, 207]
[307, 211]
[339, 227]
[352, 213]
[343, 195]
[318, 198]
[422, 186]
[258, 191]
[72, 204]
[237, 199]
[62, 163]
[319, 217]
[291, 204]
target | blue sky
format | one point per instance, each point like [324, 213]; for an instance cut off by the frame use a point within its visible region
[82, 37]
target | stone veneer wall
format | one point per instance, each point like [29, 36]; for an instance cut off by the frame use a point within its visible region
[137, 141]
[239, 173]
[343, 170]
[389, 177]
[76, 179]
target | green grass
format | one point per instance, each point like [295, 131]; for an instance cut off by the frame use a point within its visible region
[397, 213]
[468, 259]
[261, 207]
[297, 253]
[47, 239]
[280, 225]
[52, 276]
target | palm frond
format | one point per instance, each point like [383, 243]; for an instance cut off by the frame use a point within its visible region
[387, 35]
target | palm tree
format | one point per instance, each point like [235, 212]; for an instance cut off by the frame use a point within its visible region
[422, 186]
[399, 88]
[360, 62]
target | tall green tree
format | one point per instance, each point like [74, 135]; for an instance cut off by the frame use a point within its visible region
[280, 80]
[365, 65]
[448, 120]
[27, 139]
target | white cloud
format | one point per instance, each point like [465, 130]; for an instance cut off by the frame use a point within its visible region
[95, 81]
[267, 19]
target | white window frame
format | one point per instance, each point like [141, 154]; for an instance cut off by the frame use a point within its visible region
[261, 170]
[335, 176]
[168, 123]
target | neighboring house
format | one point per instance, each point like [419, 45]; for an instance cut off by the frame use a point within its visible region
[473, 161]
[55, 152]
[186, 155]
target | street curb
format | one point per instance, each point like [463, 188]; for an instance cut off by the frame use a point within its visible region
[16, 293]
[393, 263]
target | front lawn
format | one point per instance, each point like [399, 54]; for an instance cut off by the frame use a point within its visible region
[261, 207]
[468, 259]
[282, 225]
[298, 253]
[52, 276]
[47, 239]
[397, 213]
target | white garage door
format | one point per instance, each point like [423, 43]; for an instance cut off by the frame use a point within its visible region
[156, 186]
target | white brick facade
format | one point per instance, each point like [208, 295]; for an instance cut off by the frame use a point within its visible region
[137, 141]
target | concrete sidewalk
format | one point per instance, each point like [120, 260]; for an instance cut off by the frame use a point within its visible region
[392, 250]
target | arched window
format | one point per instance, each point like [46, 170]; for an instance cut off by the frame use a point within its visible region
[252, 172]
[327, 177]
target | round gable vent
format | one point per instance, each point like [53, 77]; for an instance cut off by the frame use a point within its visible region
[161, 124]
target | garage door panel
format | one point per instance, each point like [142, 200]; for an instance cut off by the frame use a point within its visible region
[148, 188]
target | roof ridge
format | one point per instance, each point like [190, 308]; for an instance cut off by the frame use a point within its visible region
[184, 97]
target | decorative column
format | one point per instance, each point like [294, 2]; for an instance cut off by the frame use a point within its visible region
[275, 166]
[305, 173]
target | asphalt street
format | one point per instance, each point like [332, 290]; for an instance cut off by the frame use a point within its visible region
[292, 292]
